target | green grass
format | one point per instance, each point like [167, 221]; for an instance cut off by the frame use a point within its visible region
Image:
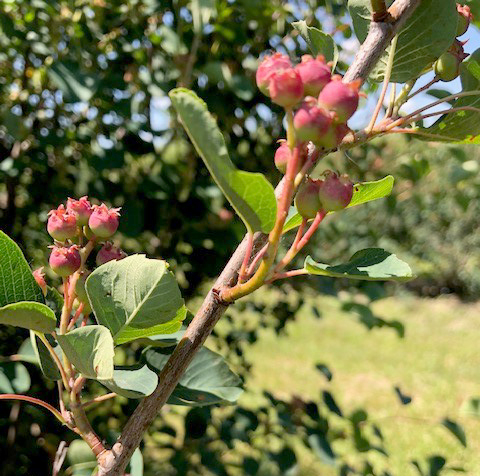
[437, 363]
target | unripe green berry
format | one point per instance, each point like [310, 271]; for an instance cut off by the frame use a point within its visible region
[307, 200]
[447, 67]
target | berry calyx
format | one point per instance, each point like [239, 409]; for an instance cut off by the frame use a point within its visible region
[282, 156]
[286, 88]
[269, 66]
[64, 261]
[315, 74]
[61, 224]
[335, 192]
[465, 17]
[103, 221]
[81, 209]
[39, 277]
[340, 98]
[109, 252]
[311, 122]
[307, 200]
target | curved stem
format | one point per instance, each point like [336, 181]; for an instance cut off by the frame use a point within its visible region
[76, 316]
[423, 88]
[293, 249]
[248, 253]
[256, 260]
[439, 113]
[388, 73]
[34, 401]
[312, 158]
[55, 359]
[287, 274]
[99, 399]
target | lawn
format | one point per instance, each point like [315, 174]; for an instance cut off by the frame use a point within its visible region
[436, 363]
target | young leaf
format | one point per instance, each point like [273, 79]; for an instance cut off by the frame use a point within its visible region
[250, 194]
[371, 264]
[461, 126]
[18, 283]
[426, 35]
[44, 359]
[14, 378]
[136, 297]
[29, 315]
[132, 382]
[318, 42]
[457, 431]
[207, 380]
[90, 349]
[362, 193]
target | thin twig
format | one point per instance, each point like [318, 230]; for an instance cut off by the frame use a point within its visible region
[55, 358]
[34, 401]
[248, 253]
[287, 274]
[423, 88]
[257, 259]
[99, 399]
[440, 113]
[76, 316]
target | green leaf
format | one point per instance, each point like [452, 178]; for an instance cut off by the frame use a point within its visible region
[362, 193]
[44, 359]
[426, 35]
[371, 264]
[321, 447]
[162, 340]
[250, 194]
[461, 126]
[90, 349]
[457, 431]
[132, 382]
[81, 459]
[136, 297]
[75, 85]
[29, 315]
[18, 283]
[207, 380]
[26, 353]
[135, 467]
[14, 378]
[318, 42]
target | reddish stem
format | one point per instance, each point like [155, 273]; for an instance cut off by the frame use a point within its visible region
[242, 275]
[76, 316]
[34, 401]
[288, 274]
[257, 259]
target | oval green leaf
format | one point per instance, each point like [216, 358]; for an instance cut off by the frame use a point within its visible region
[371, 264]
[362, 193]
[18, 283]
[318, 42]
[207, 380]
[29, 315]
[250, 194]
[132, 382]
[136, 297]
[14, 378]
[90, 349]
[44, 359]
[425, 36]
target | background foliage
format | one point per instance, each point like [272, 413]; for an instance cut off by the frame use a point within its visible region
[84, 110]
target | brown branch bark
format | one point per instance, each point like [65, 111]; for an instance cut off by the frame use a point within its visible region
[114, 461]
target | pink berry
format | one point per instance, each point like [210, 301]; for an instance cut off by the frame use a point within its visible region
[39, 277]
[286, 88]
[340, 98]
[81, 209]
[307, 202]
[268, 66]
[311, 122]
[61, 224]
[65, 261]
[282, 156]
[335, 192]
[108, 252]
[103, 221]
[315, 74]
[465, 17]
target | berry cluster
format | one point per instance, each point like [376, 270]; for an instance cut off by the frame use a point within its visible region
[69, 227]
[329, 194]
[325, 103]
[447, 67]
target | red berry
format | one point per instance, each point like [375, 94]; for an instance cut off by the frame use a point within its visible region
[282, 156]
[335, 192]
[311, 122]
[61, 224]
[268, 66]
[108, 252]
[39, 277]
[81, 209]
[307, 201]
[315, 74]
[340, 98]
[465, 17]
[65, 261]
[103, 221]
[286, 87]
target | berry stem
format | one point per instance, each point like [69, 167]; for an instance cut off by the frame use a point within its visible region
[423, 88]
[439, 113]
[99, 399]
[256, 260]
[388, 74]
[287, 274]
[312, 158]
[293, 249]
[55, 358]
[34, 401]
[290, 129]
[402, 97]
[242, 275]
